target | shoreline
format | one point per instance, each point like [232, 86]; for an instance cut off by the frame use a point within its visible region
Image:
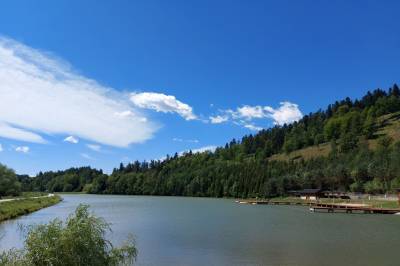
[14, 208]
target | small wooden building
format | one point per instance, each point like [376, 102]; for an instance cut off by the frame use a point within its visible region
[308, 194]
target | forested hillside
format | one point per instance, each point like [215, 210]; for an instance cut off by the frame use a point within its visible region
[352, 145]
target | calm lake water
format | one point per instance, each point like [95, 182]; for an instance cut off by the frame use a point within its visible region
[201, 231]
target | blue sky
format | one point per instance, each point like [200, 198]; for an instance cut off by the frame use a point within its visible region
[141, 79]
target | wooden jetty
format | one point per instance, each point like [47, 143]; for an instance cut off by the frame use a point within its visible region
[325, 207]
[331, 208]
[272, 202]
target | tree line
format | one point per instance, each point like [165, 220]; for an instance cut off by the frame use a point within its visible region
[244, 168]
[9, 184]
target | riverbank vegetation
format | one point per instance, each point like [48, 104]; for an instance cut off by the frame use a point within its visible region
[14, 208]
[352, 145]
[79, 241]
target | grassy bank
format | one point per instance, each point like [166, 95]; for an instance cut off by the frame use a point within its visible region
[15, 208]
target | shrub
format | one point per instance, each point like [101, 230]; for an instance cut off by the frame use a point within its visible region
[78, 241]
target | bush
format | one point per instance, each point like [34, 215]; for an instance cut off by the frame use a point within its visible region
[78, 241]
[395, 184]
[374, 186]
[356, 187]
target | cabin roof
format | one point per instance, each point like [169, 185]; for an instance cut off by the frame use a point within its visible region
[311, 190]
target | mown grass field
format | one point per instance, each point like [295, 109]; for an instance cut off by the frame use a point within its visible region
[387, 125]
[15, 208]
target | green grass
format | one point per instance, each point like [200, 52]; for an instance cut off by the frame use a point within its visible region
[13, 209]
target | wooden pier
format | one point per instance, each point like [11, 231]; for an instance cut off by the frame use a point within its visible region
[325, 207]
[272, 202]
[331, 208]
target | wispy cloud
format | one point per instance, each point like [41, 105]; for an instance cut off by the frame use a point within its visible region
[13, 132]
[94, 147]
[163, 103]
[218, 119]
[185, 140]
[253, 127]
[1, 147]
[43, 95]
[286, 113]
[71, 139]
[22, 149]
[86, 156]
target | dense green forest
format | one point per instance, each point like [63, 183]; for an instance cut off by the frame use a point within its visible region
[246, 168]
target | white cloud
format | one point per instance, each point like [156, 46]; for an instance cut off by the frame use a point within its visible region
[129, 114]
[253, 127]
[71, 139]
[41, 95]
[186, 140]
[287, 113]
[23, 149]
[250, 112]
[163, 103]
[94, 147]
[218, 119]
[13, 132]
[1, 147]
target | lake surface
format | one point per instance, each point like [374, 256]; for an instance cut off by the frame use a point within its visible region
[202, 231]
